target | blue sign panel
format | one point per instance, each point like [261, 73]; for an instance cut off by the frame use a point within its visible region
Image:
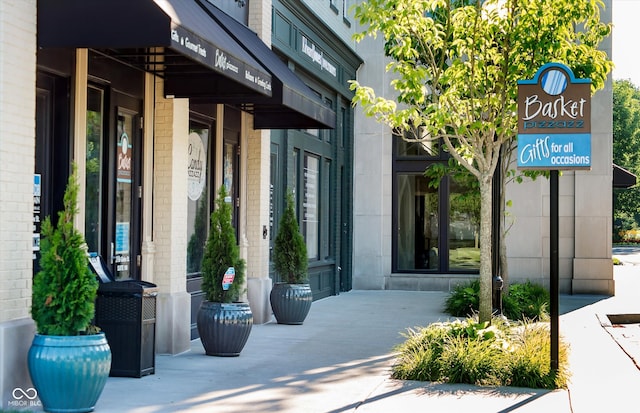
[554, 151]
[122, 238]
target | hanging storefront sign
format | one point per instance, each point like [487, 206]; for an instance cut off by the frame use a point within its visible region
[554, 120]
[196, 167]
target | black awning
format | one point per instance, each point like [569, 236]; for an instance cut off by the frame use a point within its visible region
[174, 39]
[292, 103]
[622, 178]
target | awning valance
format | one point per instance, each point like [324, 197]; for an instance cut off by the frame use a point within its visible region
[201, 52]
[292, 103]
[622, 178]
[171, 38]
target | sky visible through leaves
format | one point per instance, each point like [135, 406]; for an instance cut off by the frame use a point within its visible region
[626, 32]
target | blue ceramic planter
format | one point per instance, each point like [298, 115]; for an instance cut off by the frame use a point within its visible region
[69, 372]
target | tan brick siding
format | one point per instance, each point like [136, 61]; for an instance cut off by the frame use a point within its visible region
[17, 143]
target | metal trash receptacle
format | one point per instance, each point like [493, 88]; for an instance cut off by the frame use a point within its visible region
[126, 312]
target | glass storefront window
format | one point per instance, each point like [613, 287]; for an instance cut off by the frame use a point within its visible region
[411, 146]
[464, 224]
[230, 180]
[310, 221]
[418, 224]
[198, 198]
[327, 219]
[436, 224]
[94, 155]
[295, 159]
[229, 155]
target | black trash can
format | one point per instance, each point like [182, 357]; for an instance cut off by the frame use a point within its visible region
[126, 313]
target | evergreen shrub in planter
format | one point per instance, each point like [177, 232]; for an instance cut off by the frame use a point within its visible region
[291, 299]
[69, 359]
[224, 323]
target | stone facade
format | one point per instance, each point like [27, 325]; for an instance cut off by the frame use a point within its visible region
[585, 206]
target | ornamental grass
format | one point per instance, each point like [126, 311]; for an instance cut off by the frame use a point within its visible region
[503, 353]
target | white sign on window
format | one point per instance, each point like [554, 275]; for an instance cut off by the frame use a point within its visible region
[196, 167]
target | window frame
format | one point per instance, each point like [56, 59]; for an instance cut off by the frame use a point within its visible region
[415, 165]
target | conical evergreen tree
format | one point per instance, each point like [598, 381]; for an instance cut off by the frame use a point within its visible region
[222, 252]
[290, 250]
[64, 290]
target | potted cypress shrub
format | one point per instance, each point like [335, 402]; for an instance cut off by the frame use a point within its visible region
[69, 359]
[290, 299]
[223, 322]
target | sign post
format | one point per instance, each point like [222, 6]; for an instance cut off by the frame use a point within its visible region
[554, 133]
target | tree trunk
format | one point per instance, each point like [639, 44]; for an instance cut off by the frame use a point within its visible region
[486, 276]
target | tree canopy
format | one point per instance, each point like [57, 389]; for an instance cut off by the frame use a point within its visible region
[626, 153]
[455, 66]
[626, 125]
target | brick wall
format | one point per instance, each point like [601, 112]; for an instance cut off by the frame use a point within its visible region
[17, 144]
[257, 189]
[260, 19]
[170, 192]
[257, 203]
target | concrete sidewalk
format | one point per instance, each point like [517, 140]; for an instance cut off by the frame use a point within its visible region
[339, 361]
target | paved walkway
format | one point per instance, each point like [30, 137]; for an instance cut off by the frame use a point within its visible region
[339, 361]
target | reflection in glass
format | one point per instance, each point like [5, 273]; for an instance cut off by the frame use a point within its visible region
[272, 188]
[228, 178]
[197, 199]
[464, 224]
[417, 223]
[411, 146]
[124, 195]
[93, 194]
[228, 165]
[295, 162]
[310, 210]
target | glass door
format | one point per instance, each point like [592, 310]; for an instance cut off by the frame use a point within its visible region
[199, 194]
[51, 153]
[94, 170]
[113, 176]
[123, 252]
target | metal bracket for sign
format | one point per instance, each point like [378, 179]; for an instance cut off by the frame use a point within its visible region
[554, 133]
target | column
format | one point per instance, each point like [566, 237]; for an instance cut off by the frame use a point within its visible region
[173, 311]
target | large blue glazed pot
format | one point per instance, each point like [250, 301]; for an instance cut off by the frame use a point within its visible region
[291, 302]
[69, 372]
[224, 327]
